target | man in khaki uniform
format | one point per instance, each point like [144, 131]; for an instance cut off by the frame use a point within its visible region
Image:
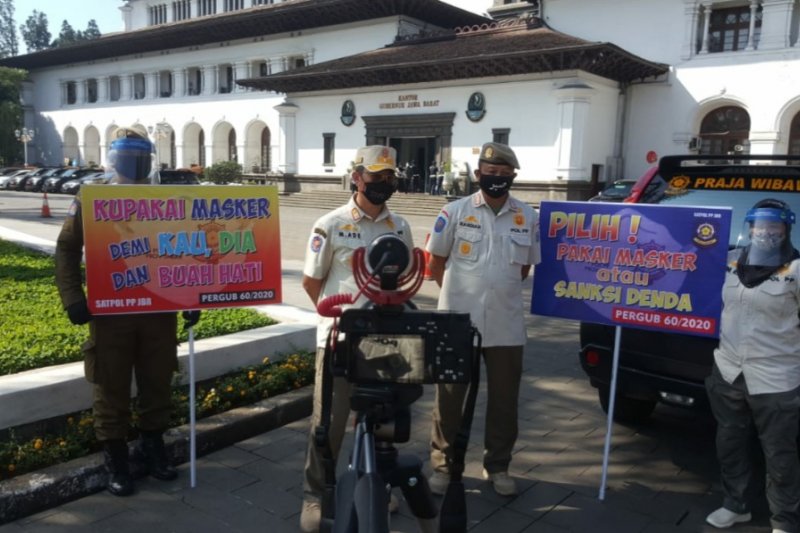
[328, 270]
[120, 344]
[482, 248]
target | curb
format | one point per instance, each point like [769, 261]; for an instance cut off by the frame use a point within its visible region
[49, 487]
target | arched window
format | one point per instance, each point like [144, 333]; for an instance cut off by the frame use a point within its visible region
[794, 136]
[232, 145]
[725, 131]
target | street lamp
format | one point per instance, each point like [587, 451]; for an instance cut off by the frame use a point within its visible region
[25, 136]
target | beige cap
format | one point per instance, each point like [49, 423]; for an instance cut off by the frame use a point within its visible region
[137, 130]
[376, 158]
[498, 154]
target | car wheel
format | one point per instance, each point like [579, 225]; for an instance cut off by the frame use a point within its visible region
[627, 410]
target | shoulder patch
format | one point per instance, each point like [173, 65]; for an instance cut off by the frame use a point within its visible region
[316, 243]
[321, 232]
[440, 224]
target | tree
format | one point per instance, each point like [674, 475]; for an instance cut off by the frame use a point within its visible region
[8, 29]
[224, 172]
[92, 31]
[66, 36]
[10, 114]
[35, 33]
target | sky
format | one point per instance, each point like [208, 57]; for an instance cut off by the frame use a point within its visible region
[109, 18]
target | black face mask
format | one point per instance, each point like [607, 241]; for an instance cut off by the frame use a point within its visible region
[495, 186]
[378, 193]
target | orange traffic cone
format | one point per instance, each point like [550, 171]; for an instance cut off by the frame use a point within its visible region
[428, 274]
[45, 207]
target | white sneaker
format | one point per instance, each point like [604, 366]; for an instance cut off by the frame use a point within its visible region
[722, 518]
[310, 517]
[503, 484]
[438, 483]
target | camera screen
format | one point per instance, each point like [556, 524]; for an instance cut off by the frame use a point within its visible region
[390, 358]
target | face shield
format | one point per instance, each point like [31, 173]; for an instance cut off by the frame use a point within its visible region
[132, 160]
[765, 236]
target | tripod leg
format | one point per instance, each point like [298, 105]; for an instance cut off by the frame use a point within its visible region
[408, 476]
[346, 520]
[454, 509]
[372, 502]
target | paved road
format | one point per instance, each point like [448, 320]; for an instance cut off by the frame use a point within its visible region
[662, 478]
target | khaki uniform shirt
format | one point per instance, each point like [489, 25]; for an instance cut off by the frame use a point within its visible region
[69, 254]
[760, 330]
[485, 254]
[330, 249]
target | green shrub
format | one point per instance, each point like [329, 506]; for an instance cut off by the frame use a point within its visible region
[224, 172]
[36, 332]
[243, 387]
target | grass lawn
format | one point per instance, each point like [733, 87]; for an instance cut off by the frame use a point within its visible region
[35, 331]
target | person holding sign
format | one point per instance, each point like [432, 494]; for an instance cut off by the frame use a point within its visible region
[118, 345]
[754, 387]
[482, 248]
[328, 271]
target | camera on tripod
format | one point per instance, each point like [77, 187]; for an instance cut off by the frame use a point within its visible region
[404, 346]
[387, 351]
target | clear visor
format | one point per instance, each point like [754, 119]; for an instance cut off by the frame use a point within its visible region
[765, 240]
[132, 160]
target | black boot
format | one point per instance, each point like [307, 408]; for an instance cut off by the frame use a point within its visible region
[120, 482]
[155, 456]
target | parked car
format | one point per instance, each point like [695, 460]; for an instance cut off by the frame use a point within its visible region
[34, 183]
[54, 183]
[666, 367]
[18, 182]
[616, 192]
[180, 176]
[99, 177]
[6, 180]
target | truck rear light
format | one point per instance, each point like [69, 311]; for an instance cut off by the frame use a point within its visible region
[592, 357]
[677, 399]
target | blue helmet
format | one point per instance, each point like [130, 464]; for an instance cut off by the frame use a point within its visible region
[131, 156]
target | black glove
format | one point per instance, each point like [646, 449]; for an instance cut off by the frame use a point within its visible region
[78, 313]
[190, 318]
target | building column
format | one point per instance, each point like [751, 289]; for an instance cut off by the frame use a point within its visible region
[102, 89]
[151, 86]
[776, 24]
[691, 12]
[240, 69]
[750, 36]
[209, 79]
[80, 92]
[574, 100]
[125, 87]
[706, 25]
[287, 138]
[179, 82]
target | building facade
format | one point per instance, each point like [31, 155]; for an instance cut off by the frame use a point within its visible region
[585, 92]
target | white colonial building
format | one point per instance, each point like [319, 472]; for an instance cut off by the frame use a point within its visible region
[584, 91]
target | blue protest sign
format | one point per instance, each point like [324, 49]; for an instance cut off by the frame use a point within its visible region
[635, 265]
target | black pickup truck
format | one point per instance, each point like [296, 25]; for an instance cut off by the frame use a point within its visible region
[668, 367]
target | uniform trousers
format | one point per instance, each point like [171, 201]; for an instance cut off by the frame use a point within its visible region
[503, 373]
[774, 417]
[118, 345]
[314, 472]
